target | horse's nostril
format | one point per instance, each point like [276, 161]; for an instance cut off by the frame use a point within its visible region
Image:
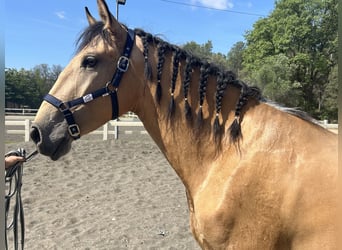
[35, 135]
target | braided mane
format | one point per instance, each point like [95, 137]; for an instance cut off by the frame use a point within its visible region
[223, 79]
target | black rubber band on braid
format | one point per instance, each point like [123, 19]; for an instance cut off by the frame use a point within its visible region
[146, 39]
[202, 91]
[175, 66]
[235, 128]
[186, 84]
[161, 59]
[222, 83]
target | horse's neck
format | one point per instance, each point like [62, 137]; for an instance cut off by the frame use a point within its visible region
[192, 151]
[189, 149]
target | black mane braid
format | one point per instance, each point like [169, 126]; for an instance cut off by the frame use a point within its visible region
[223, 79]
[186, 86]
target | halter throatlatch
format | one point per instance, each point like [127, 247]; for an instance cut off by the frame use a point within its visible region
[109, 89]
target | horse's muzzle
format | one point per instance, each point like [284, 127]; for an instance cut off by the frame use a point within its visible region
[53, 143]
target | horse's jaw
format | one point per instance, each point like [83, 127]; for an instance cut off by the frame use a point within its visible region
[53, 141]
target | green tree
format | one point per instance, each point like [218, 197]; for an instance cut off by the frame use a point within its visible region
[20, 88]
[205, 51]
[26, 88]
[330, 99]
[45, 76]
[306, 33]
[202, 51]
[234, 58]
[274, 80]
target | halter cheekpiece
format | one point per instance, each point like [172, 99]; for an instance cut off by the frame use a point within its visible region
[109, 89]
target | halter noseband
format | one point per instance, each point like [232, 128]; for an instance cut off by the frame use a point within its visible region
[110, 89]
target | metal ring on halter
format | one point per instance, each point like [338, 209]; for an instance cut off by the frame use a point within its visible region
[110, 88]
[74, 130]
[63, 106]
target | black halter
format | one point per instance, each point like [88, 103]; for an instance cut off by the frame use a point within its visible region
[110, 89]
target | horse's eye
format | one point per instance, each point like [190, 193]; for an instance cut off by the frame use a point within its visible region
[89, 62]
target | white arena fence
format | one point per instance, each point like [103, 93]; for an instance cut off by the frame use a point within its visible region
[20, 125]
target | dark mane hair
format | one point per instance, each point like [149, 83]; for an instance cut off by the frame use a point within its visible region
[223, 79]
[89, 34]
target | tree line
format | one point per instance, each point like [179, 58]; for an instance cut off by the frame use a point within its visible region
[291, 55]
[26, 88]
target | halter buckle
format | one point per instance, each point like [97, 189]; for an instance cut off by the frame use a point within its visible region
[123, 64]
[63, 106]
[74, 130]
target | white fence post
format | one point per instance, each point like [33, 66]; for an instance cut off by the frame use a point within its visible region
[105, 131]
[27, 130]
[116, 132]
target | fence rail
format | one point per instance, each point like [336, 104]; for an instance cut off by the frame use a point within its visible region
[20, 125]
[25, 123]
[20, 111]
[33, 112]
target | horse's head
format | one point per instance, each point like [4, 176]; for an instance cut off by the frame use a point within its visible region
[95, 87]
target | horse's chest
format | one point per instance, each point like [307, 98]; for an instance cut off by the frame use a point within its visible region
[231, 217]
[213, 217]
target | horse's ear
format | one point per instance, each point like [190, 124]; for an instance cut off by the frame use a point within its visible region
[107, 18]
[91, 19]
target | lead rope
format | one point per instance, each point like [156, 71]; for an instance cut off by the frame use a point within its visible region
[13, 182]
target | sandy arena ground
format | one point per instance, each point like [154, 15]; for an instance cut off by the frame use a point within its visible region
[115, 194]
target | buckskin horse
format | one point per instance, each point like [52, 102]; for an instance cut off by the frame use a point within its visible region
[257, 176]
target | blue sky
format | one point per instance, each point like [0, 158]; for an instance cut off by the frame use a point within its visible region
[45, 31]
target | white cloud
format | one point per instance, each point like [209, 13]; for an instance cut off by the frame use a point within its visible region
[217, 4]
[60, 14]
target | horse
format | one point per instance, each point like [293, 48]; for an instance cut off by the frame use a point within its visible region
[256, 175]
